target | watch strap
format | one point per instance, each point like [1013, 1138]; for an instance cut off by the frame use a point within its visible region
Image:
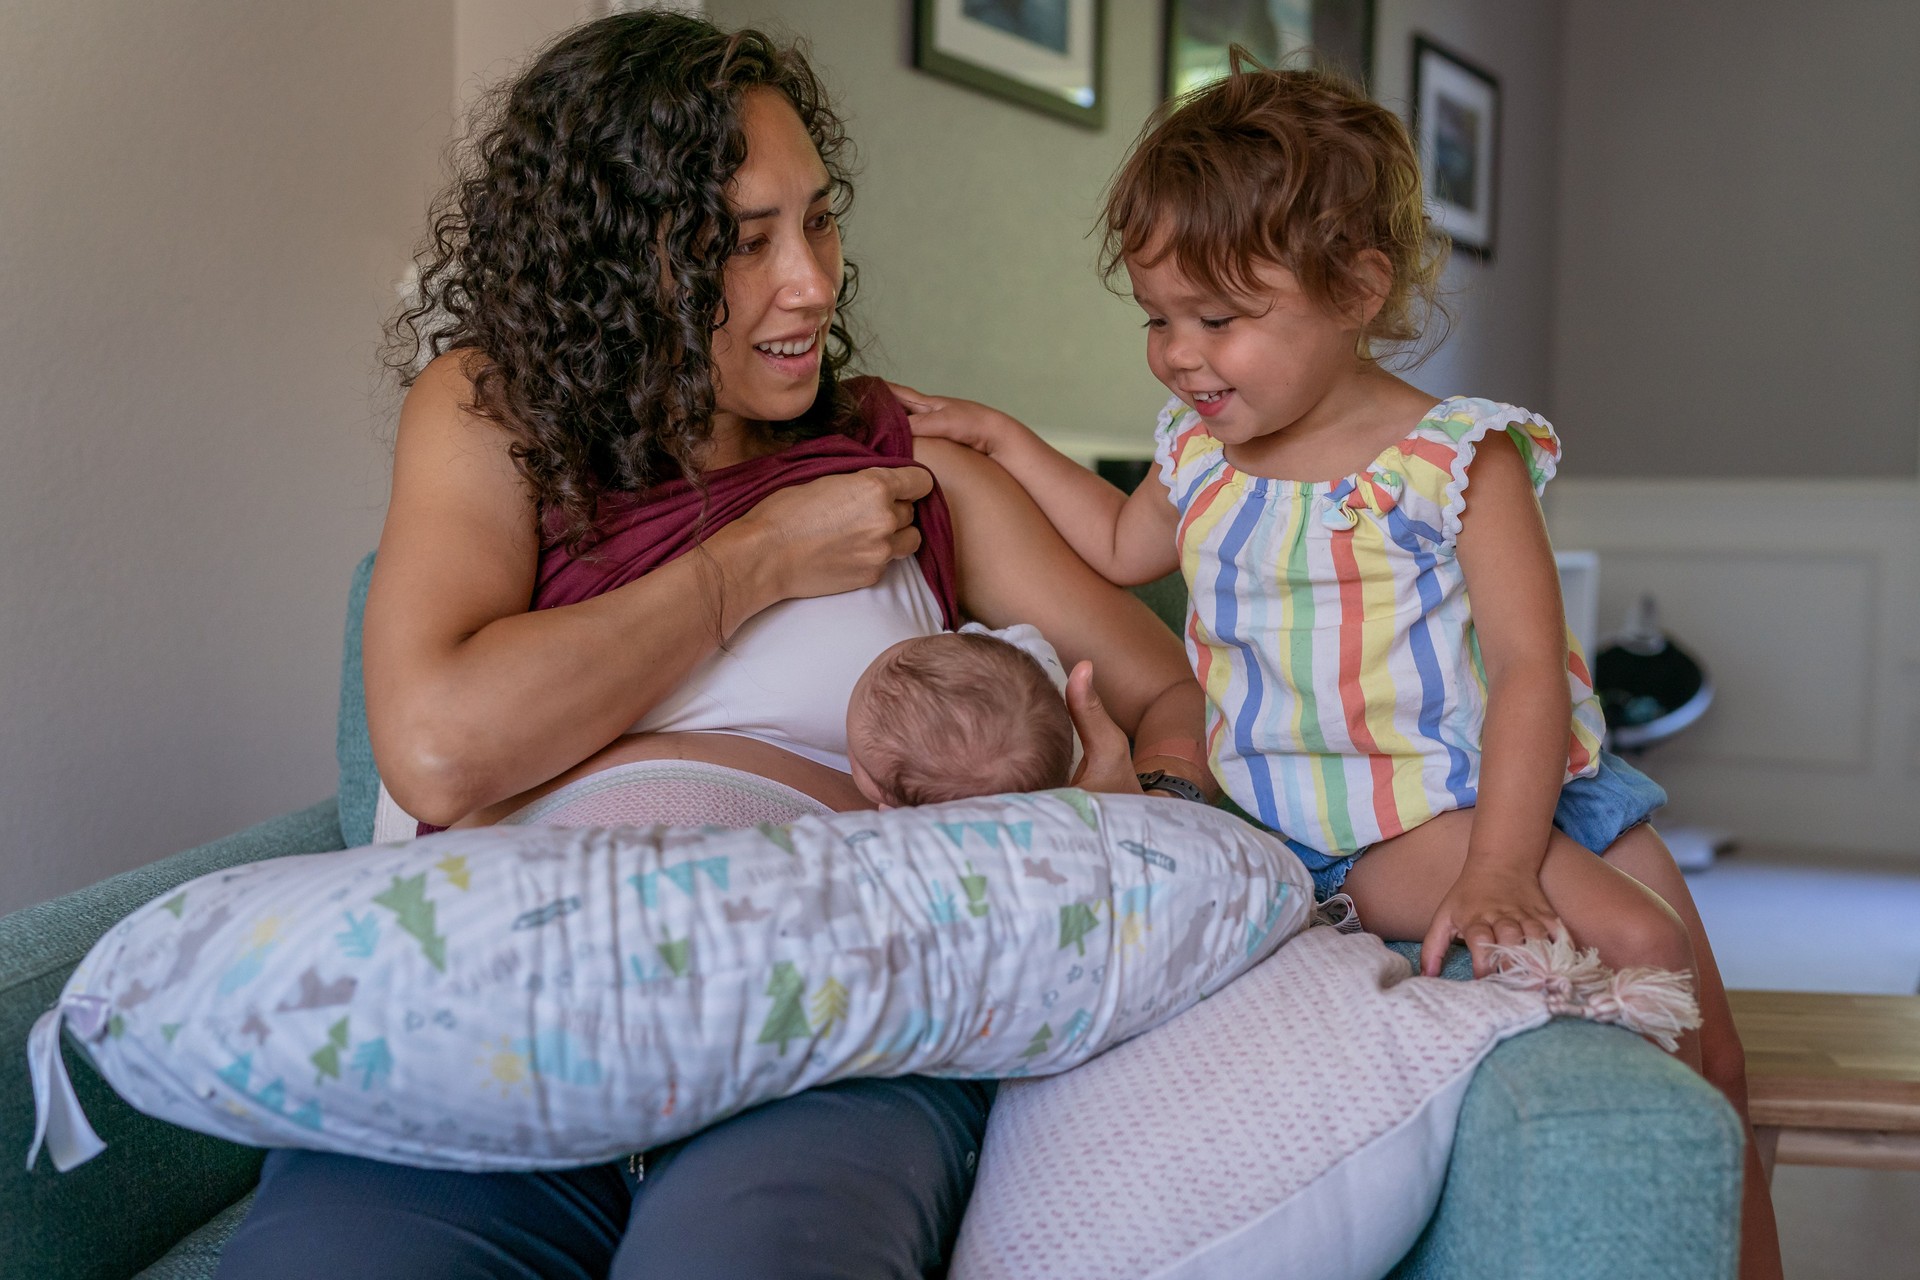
[1171, 784]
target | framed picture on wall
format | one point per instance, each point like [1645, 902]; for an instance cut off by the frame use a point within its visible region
[1339, 34]
[1456, 126]
[1044, 54]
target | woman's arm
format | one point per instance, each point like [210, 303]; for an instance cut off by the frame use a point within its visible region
[1127, 539]
[1507, 561]
[1013, 567]
[471, 698]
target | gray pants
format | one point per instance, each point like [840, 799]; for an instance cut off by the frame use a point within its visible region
[866, 1178]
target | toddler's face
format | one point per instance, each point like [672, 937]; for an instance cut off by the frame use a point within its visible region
[1249, 367]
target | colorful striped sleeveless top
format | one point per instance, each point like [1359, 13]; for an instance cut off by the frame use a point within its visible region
[1330, 627]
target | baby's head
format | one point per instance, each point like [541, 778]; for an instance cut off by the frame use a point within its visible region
[1272, 171]
[944, 717]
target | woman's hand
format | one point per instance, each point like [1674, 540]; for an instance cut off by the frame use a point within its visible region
[838, 533]
[1107, 764]
[966, 422]
[1488, 908]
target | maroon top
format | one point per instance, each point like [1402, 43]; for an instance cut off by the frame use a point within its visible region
[636, 535]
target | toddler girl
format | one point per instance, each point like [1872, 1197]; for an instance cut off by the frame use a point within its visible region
[1374, 610]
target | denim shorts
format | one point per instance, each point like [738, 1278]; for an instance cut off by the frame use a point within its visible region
[1593, 813]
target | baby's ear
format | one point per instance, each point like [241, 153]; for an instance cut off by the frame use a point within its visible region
[884, 807]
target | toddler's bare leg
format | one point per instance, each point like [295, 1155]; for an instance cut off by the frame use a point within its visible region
[1642, 854]
[1633, 906]
[1399, 884]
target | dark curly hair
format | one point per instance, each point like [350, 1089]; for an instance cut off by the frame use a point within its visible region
[580, 254]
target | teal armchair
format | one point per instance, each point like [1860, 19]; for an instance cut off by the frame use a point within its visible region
[1582, 1151]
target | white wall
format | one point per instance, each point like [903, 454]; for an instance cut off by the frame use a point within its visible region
[1502, 308]
[204, 211]
[1803, 599]
[1739, 285]
[493, 38]
[1737, 315]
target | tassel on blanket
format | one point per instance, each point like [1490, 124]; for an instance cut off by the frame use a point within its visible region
[1655, 1003]
[1339, 912]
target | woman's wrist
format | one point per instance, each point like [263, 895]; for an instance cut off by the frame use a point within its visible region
[1167, 783]
[750, 570]
[1174, 767]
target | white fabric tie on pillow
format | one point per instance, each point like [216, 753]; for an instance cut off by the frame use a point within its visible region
[542, 997]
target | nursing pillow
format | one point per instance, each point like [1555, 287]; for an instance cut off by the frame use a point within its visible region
[517, 998]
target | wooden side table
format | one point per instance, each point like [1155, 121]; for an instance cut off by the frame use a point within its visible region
[1832, 1079]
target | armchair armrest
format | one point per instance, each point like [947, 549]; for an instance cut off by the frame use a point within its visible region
[155, 1182]
[1585, 1153]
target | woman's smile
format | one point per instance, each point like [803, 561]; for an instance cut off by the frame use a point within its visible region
[793, 357]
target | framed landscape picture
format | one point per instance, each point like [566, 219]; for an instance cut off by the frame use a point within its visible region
[1044, 54]
[1275, 32]
[1456, 126]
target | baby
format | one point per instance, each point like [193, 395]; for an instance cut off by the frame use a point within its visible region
[964, 713]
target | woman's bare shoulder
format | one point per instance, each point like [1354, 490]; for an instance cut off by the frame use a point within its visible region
[443, 391]
[444, 444]
[462, 526]
[963, 473]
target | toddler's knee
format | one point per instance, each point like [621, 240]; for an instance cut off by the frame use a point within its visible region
[1653, 936]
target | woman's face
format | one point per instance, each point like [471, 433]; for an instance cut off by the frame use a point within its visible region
[784, 275]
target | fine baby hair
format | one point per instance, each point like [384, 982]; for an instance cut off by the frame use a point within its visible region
[945, 717]
[1296, 167]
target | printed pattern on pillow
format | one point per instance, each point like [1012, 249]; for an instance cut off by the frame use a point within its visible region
[537, 997]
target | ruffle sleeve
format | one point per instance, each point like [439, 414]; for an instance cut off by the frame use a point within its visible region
[1440, 451]
[1181, 448]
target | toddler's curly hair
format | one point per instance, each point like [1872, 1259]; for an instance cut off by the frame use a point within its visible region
[1296, 167]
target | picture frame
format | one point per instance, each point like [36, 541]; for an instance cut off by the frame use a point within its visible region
[1198, 34]
[1456, 131]
[1045, 54]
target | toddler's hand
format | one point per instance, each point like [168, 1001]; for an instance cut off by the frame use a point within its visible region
[966, 422]
[1485, 909]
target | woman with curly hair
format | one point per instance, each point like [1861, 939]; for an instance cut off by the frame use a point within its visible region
[644, 536]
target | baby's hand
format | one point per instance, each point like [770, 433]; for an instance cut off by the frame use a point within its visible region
[966, 422]
[1485, 909]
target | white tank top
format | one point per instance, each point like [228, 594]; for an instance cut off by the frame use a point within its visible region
[785, 678]
[788, 673]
